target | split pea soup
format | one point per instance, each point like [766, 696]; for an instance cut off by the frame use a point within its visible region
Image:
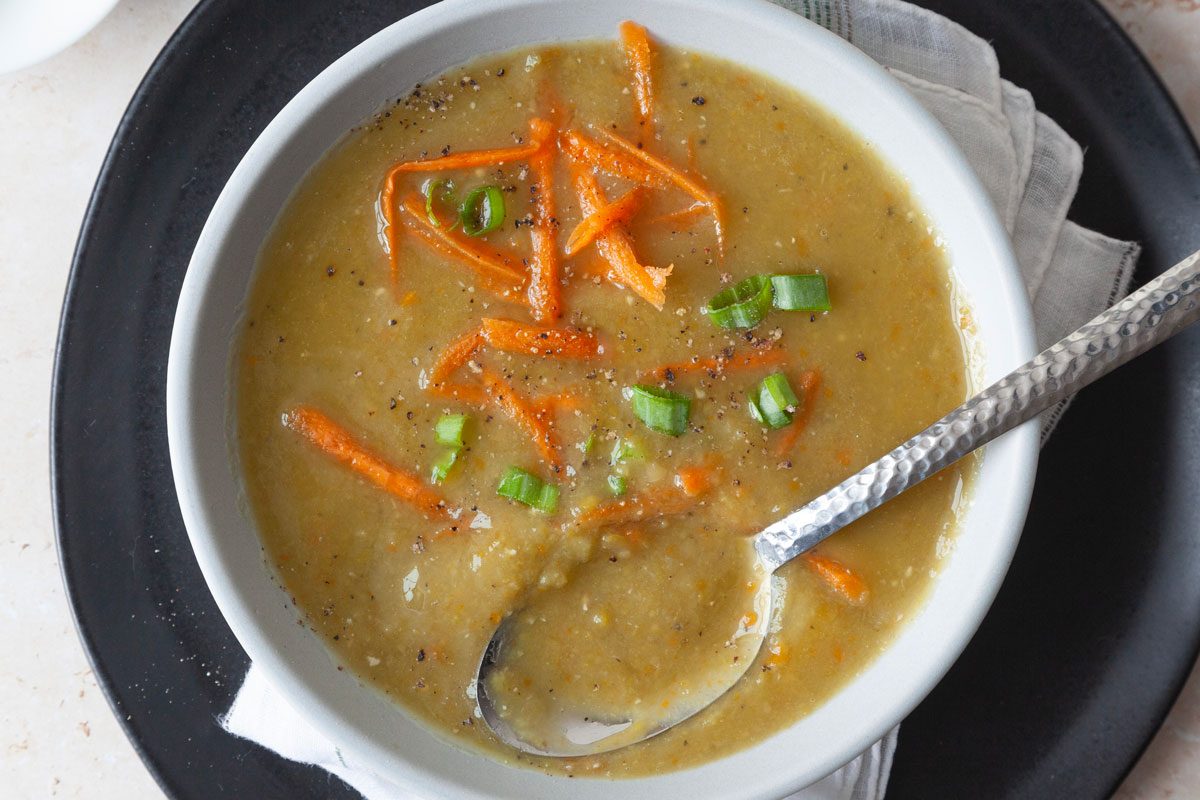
[561, 328]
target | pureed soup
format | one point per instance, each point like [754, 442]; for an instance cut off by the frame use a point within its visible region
[565, 326]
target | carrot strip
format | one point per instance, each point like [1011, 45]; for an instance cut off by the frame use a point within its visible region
[456, 354]
[619, 144]
[545, 296]
[584, 150]
[682, 215]
[617, 248]
[698, 192]
[495, 267]
[715, 365]
[337, 442]
[470, 158]
[523, 412]
[808, 384]
[517, 337]
[618, 212]
[839, 578]
[387, 208]
[636, 43]
[658, 501]
[694, 480]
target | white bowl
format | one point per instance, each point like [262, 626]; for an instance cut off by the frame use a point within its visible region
[760, 36]
[33, 30]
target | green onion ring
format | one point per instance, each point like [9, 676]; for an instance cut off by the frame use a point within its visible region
[801, 292]
[661, 410]
[742, 305]
[443, 189]
[483, 211]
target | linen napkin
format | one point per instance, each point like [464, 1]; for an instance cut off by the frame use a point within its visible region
[1029, 167]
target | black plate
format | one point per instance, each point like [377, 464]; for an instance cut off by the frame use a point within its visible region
[1073, 670]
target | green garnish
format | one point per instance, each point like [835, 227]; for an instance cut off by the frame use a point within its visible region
[524, 487]
[801, 292]
[441, 467]
[483, 211]
[742, 305]
[772, 402]
[616, 485]
[449, 429]
[588, 443]
[662, 410]
[436, 189]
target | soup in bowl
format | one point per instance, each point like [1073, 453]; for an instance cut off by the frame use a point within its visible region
[558, 328]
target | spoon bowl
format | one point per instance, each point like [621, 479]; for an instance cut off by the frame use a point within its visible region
[579, 729]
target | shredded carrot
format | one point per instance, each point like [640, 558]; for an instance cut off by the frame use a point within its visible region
[636, 43]
[584, 150]
[337, 442]
[616, 247]
[387, 209]
[545, 297]
[518, 337]
[526, 415]
[808, 384]
[694, 480]
[695, 190]
[839, 577]
[456, 354]
[685, 214]
[715, 365]
[618, 212]
[494, 267]
[470, 158]
[660, 500]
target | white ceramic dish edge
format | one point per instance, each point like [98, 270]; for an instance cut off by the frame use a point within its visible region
[752, 32]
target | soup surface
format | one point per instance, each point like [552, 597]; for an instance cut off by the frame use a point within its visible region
[379, 334]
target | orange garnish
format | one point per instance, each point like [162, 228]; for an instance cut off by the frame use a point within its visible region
[616, 247]
[617, 212]
[337, 442]
[636, 43]
[839, 577]
[518, 337]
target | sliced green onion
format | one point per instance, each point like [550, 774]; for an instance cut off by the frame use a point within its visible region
[742, 305]
[801, 292]
[625, 450]
[524, 487]
[587, 444]
[662, 410]
[616, 485]
[441, 467]
[449, 429]
[755, 411]
[773, 403]
[442, 190]
[483, 211]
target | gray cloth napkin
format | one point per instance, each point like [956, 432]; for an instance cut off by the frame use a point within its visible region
[1031, 169]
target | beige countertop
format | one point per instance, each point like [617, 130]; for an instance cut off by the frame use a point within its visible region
[58, 737]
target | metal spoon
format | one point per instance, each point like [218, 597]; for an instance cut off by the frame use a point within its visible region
[1142, 320]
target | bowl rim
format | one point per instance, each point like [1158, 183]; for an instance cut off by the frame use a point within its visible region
[184, 382]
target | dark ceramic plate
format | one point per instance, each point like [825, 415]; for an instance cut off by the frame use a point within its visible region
[1075, 666]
